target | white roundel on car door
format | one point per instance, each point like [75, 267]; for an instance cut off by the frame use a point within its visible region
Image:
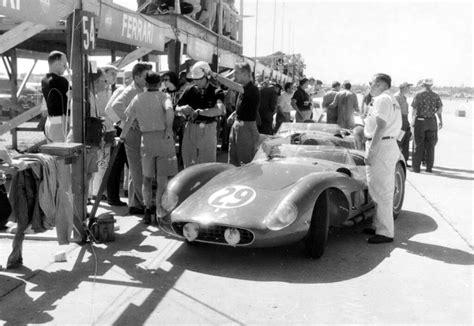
[232, 197]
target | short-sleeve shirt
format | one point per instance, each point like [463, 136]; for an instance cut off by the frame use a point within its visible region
[149, 110]
[300, 96]
[55, 88]
[247, 103]
[202, 99]
[385, 108]
[426, 103]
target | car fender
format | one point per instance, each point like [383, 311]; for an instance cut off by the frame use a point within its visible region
[194, 177]
[306, 191]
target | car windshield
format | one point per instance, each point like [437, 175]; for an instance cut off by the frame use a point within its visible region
[272, 150]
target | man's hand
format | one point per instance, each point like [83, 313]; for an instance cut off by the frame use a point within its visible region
[185, 109]
[195, 114]
[440, 125]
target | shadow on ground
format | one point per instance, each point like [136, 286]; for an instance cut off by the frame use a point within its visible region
[347, 256]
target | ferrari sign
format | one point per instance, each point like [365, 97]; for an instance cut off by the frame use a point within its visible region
[130, 28]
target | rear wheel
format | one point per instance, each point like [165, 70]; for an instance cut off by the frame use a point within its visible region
[399, 192]
[315, 241]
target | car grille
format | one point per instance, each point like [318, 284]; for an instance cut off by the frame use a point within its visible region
[215, 233]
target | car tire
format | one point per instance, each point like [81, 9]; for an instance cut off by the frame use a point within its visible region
[315, 241]
[399, 192]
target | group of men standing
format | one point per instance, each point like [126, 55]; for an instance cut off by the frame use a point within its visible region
[148, 114]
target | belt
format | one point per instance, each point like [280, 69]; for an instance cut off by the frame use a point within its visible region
[198, 122]
[424, 118]
[383, 138]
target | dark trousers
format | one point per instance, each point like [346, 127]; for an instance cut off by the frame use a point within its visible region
[266, 127]
[426, 137]
[113, 183]
[331, 115]
[405, 142]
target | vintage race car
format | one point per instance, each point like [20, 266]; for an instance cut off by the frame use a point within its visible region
[288, 193]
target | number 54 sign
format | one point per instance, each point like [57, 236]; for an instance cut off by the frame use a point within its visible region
[88, 32]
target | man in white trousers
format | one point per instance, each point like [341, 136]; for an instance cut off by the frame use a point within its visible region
[382, 128]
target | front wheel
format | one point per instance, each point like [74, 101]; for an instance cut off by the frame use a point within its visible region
[399, 192]
[315, 241]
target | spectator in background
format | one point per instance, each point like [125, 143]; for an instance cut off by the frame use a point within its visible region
[426, 106]
[331, 113]
[267, 107]
[400, 96]
[244, 133]
[230, 100]
[301, 102]
[208, 13]
[318, 89]
[346, 103]
[284, 106]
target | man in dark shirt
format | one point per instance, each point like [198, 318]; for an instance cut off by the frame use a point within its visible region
[202, 104]
[244, 133]
[426, 104]
[267, 107]
[331, 113]
[55, 88]
[301, 102]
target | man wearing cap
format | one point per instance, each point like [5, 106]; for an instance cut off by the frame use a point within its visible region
[133, 137]
[301, 102]
[201, 103]
[153, 110]
[426, 104]
[382, 127]
[400, 96]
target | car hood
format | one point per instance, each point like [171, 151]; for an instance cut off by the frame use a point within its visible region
[245, 196]
[272, 175]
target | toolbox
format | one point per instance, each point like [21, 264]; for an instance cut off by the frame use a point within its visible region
[62, 149]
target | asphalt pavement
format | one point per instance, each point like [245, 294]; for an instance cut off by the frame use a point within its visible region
[145, 277]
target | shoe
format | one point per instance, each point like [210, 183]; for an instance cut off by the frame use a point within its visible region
[378, 238]
[116, 203]
[136, 211]
[429, 171]
[368, 231]
[415, 170]
[147, 216]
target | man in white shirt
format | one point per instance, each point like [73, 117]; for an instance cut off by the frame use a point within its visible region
[382, 127]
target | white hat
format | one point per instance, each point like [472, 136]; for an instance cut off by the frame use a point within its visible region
[427, 81]
[199, 70]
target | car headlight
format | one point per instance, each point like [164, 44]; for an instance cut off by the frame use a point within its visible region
[282, 216]
[169, 200]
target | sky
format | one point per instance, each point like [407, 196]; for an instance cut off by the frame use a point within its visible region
[354, 39]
